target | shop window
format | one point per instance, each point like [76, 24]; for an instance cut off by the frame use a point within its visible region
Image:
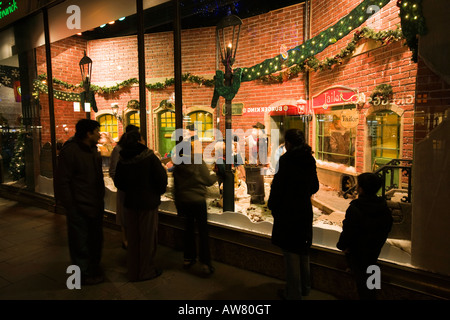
[203, 122]
[384, 136]
[108, 123]
[134, 119]
[334, 143]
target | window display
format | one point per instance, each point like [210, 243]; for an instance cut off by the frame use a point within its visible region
[335, 143]
[291, 66]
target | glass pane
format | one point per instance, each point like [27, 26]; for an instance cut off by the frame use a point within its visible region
[335, 142]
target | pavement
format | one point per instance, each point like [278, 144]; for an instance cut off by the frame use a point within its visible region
[34, 257]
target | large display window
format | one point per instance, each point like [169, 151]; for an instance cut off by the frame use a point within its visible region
[287, 52]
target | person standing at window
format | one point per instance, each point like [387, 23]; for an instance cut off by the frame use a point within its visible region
[143, 179]
[368, 221]
[190, 182]
[79, 186]
[290, 201]
[115, 154]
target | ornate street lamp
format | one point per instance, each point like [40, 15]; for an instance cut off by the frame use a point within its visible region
[86, 71]
[87, 96]
[227, 36]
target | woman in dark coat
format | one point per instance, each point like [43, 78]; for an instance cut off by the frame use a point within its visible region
[143, 179]
[290, 201]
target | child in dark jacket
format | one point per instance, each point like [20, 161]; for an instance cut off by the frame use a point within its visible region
[367, 223]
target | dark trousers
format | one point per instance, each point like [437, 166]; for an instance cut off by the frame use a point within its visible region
[142, 236]
[298, 275]
[358, 268]
[195, 214]
[85, 235]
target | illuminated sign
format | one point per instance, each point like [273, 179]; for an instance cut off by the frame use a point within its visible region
[11, 6]
[334, 96]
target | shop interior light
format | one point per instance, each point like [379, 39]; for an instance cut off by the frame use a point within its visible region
[103, 25]
[111, 22]
[121, 19]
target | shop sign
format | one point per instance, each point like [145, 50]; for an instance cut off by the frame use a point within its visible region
[237, 109]
[349, 118]
[334, 96]
[7, 9]
[284, 107]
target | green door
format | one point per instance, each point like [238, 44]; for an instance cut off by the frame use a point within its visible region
[167, 126]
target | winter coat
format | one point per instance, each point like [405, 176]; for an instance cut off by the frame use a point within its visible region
[78, 183]
[290, 200]
[190, 182]
[140, 174]
[368, 221]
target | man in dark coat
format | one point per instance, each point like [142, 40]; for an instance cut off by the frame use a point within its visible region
[368, 221]
[79, 186]
[190, 183]
[290, 201]
[142, 177]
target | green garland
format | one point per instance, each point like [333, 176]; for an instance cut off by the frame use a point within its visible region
[313, 64]
[40, 86]
[413, 23]
[381, 93]
[304, 53]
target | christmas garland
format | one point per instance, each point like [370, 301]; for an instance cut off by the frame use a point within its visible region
[313, 64]
[413, 23]
[40, 86]
[303, 54]
[381, 93]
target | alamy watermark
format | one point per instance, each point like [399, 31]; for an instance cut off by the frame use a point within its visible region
[374, 280]
[224, 150]
[74, 20]
[74, 280]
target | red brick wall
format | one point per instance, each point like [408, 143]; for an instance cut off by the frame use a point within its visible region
[66, 55]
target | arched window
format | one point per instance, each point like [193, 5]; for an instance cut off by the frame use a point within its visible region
[203, 123]
[384, 136]
[134, 118]
[108, 123]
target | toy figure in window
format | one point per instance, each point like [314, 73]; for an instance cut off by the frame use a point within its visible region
[105, 146]
[339, 141]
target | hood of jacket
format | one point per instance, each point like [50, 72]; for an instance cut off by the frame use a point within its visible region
[370, 205]
[135, 154]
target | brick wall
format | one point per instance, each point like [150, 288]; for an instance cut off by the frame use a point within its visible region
[66, 55]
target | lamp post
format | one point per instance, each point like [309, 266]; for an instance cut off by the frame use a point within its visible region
[86, 73]
[227, 36]
[115, 111]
